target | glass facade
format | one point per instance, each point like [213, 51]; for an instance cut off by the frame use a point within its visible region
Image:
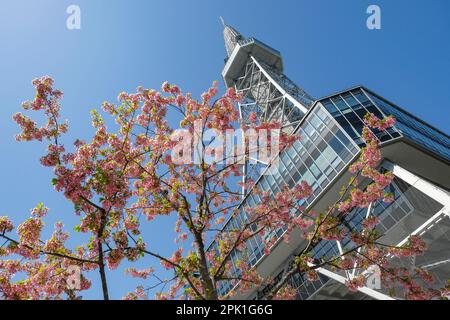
[317, 158]
[416, 130]
[349, 109]
[331, 139]
[305, 287]
[410, 209]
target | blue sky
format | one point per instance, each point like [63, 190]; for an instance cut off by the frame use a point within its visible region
[122, 44]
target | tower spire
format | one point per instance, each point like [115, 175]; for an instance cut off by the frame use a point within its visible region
[231, 37]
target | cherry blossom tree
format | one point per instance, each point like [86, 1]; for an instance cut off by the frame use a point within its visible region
[141, 167]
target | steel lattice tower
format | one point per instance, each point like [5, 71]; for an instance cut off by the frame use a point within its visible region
[256, 71]
[417, 154]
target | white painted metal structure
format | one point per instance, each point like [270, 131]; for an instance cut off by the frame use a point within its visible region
[256, 70]
[423, 186]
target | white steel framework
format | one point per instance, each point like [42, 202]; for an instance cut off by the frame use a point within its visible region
[255, 71]
[423, 186]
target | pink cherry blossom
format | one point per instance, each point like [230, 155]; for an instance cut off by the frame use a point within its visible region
[125, 177]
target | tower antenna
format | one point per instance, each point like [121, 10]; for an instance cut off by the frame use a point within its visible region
[221, 20]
